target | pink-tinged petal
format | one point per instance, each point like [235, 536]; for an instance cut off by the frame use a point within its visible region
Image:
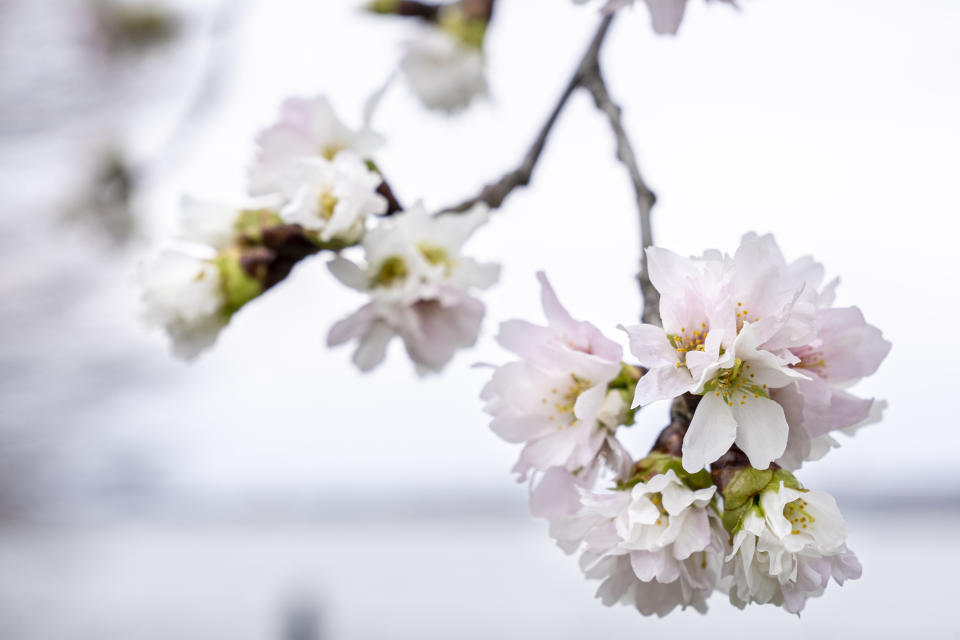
[556, 314]
[440, 330]
[580, 335]
[712, 431]
[372, 347]
[662, 383]
[761, 430]
[521, 337]
[851, 348]
[519, 428]
[650, 345]
[666, 15]
[555, 495]
[352, 326]
[588, 404]
[647, 564]
[669, 272]
[846, 567]
[845, 410]
[550, 451]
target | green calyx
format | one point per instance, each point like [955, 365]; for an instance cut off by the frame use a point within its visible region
[251, 222]
[742, 493]
[470, 31]
[238, 286]
[657, 463]
[382, 6]
[626, 385]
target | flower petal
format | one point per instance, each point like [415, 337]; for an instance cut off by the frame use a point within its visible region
[761, 430]
[712, 431]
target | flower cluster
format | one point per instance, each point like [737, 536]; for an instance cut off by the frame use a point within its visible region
[758, 363]
[315, 187]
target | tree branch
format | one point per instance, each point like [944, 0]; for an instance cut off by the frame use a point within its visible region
[593, 82]
[495, 193]
[588, 76]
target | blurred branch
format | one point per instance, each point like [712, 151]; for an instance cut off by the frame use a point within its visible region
[589, 77]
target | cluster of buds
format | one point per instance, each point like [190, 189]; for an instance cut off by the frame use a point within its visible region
[443, 62]
[757, 362]
[315, 187]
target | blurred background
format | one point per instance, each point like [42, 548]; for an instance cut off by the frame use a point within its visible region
[269, 490]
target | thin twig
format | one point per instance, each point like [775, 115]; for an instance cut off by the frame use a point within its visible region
[594, 83]
[495, 193]
[588, 76]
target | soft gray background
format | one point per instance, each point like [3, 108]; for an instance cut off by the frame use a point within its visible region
[269, 483]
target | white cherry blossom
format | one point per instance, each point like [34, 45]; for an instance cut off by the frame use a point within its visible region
[333, 198]
[419, 285]
[183, 294]
[788, 548]
[307, 128]
[555, 400]
[445, 73]
[656, 546]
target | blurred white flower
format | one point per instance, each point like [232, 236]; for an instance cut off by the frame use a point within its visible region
[333, 198]
[307, 128]
[183, 294]
[445, 73]
[788, 548]
[419, 285]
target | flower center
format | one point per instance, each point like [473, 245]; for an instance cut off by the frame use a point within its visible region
[567, 400]
[798, 516]
[330, 151]
[436, 256]
[391, 271]
[326, 204]
[743, 316]
[810, 359]
[736, 384]
[685, 342]
[657, 500]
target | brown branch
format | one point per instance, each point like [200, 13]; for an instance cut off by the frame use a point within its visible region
[495, 193]
[594, 83]
[588, 76]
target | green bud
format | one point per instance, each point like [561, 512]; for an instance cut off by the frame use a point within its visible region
[238, 286]
[744, 484]
[657, 463]
[742, 492]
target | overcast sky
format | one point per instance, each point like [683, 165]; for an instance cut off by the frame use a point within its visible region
[832, 125]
